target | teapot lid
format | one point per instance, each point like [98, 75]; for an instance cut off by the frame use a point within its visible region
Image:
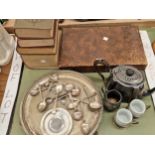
[128, 75]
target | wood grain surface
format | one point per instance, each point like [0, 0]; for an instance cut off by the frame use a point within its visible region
[3, 79]
[119, 45]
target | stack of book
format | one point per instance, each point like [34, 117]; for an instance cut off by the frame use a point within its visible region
[38, 42]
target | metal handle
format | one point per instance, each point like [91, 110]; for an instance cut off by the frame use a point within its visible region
[101, 62]
[134, 121]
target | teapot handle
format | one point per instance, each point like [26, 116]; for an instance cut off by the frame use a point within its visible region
[101, 62]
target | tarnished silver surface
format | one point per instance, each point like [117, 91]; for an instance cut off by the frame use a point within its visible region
[56, 122]
[128, 76]
[128, 80]
[64, 102]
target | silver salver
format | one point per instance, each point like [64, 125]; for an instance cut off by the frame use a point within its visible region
[64, 102]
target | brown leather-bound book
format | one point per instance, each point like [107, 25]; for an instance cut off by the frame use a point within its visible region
[36, 50]
[34, 24]
[35, 43]
[119, 45]
[33, 29]
[44, 60]
[39, 50]
[34, 34]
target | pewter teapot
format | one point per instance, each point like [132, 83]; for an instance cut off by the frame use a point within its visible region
[128, 80]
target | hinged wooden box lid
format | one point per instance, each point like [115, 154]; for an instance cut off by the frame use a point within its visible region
[119, 45]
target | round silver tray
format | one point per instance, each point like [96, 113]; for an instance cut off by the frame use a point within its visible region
[64, 102]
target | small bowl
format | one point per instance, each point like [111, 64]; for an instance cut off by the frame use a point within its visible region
[123, 117]
[137, 107]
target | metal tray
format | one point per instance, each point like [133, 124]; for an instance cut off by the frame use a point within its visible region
[64, 102]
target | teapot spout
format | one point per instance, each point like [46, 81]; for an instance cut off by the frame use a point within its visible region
[148, 92]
